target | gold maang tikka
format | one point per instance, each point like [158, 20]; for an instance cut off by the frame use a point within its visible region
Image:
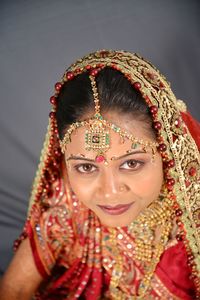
[97, 136]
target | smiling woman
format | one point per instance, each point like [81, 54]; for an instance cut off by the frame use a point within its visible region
[125, 183]
[114, 209]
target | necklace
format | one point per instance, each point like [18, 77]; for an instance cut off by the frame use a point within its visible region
[148, 246]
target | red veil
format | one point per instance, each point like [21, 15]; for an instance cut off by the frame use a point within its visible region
[168, 270]
[193, 126]
[72, 250]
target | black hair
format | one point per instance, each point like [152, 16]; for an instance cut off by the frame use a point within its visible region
[115, 91]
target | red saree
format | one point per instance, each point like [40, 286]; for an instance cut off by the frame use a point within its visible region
[58, 253]
[73, 252]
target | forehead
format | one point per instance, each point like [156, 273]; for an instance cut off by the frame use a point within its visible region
[138, 129]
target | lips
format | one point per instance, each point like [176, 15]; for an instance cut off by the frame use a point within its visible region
[115, 210]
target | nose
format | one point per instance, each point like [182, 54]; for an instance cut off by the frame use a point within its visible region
[110, 185]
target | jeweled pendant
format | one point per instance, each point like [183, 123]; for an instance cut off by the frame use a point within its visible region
[97, 137]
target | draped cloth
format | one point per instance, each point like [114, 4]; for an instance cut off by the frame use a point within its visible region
[74, 252]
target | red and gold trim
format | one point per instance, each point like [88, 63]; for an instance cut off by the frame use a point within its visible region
[177, 147]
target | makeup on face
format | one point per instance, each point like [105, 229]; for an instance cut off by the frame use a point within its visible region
[82, 165]
[115, 210]
[98, 186]
[113, 158]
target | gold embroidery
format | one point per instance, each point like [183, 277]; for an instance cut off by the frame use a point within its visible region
[180, 145]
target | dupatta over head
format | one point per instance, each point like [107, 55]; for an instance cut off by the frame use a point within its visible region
[74, 252]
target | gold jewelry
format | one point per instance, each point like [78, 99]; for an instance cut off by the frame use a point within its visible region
[147, 251]
[97, 137]
[177, 147]
[159, 213]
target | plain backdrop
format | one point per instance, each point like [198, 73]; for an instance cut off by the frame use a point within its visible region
[39, 39]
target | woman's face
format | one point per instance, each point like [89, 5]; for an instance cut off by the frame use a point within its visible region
[119, 191]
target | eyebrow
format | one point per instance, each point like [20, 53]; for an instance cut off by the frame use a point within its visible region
[112, 158]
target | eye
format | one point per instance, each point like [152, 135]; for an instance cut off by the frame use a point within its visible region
[85, 168]
[132, 164]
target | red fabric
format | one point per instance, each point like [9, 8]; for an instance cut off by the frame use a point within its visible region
[172, 269]
[193, 126]
[36, 256]
[174, 272]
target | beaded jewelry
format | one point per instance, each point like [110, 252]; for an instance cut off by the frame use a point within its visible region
[97, 136]
[145, 250]
[178, 150]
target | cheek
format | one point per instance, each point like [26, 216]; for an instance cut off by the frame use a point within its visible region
[82, 190]
[148, 185]
[151, 189]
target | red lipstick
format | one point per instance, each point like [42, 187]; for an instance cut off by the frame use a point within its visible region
[115, 210]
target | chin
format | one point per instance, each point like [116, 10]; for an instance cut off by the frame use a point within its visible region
[116, 221]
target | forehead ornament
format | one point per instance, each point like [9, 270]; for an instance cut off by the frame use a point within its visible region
[97, 134]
